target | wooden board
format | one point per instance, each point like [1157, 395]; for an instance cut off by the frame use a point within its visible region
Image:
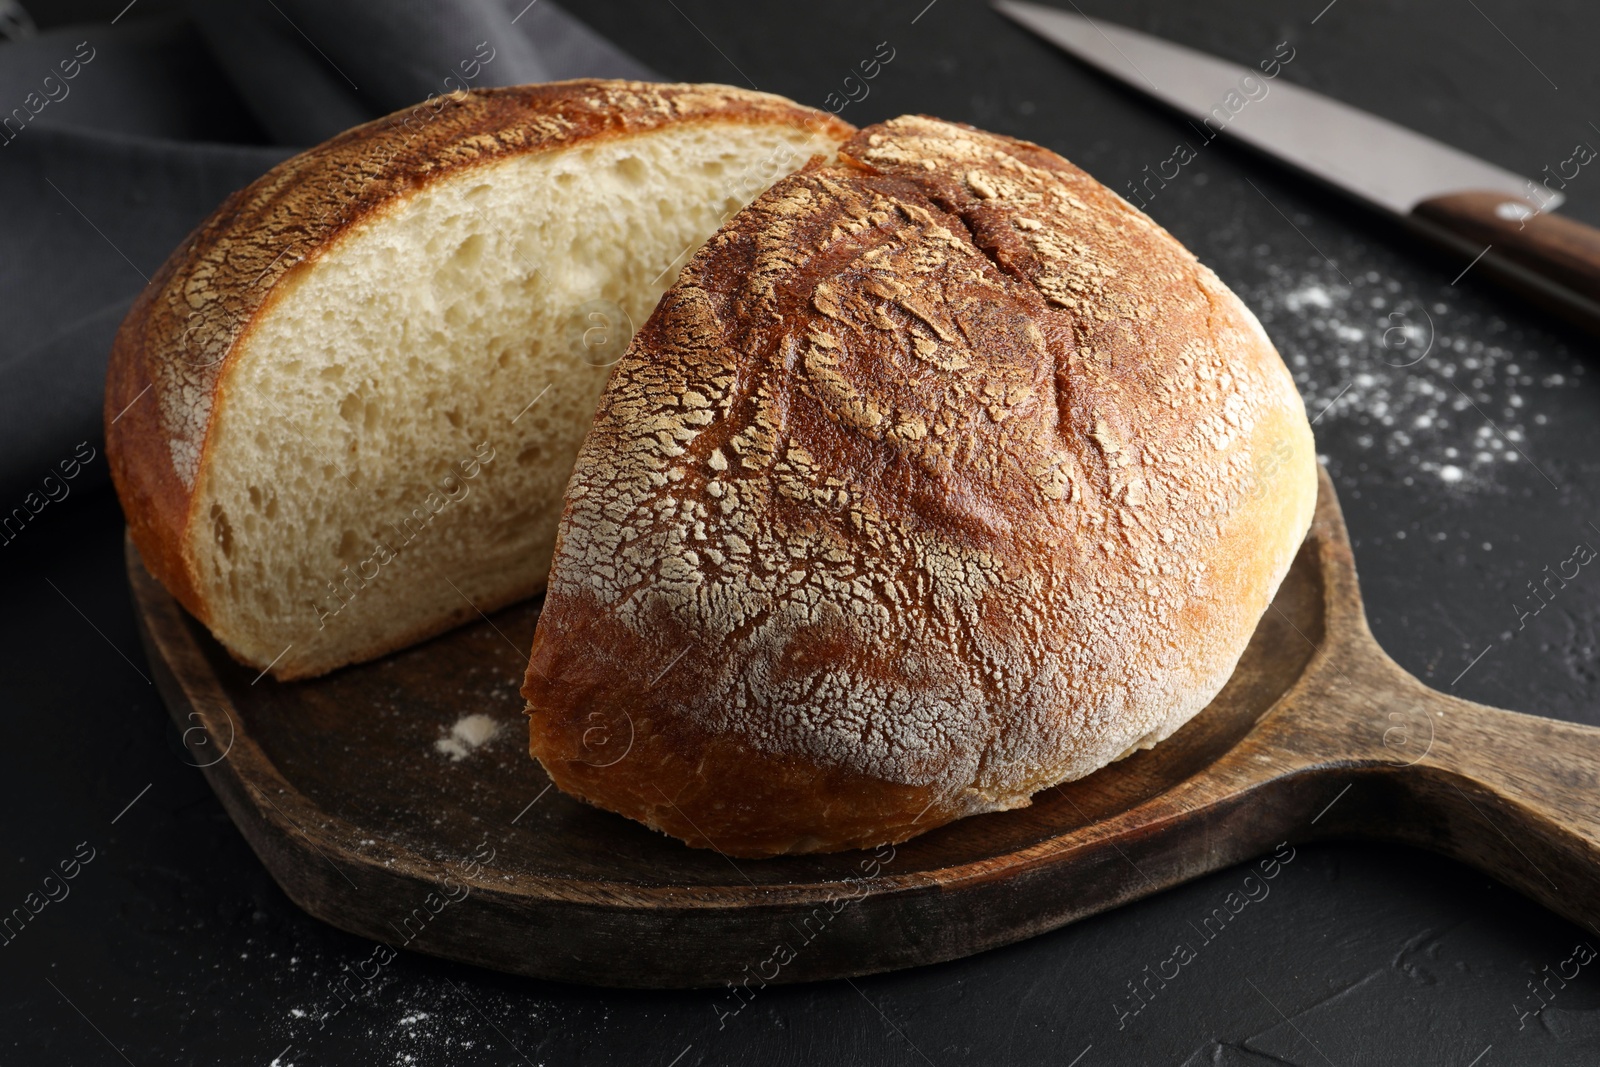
[339, 787]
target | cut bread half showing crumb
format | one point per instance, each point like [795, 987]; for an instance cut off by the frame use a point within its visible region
[367, 443]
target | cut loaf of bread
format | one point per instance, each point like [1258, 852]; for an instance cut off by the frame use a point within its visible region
[940, 476]
[341, 417]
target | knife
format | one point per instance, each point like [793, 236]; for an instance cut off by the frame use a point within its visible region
[1500, 221]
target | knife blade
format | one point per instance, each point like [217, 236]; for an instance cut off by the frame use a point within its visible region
[1502, 221]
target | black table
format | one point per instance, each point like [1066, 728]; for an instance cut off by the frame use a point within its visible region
[1463, 473]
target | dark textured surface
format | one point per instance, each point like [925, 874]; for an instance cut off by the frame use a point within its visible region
[174, 946]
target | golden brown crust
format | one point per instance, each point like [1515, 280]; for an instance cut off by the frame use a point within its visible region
[940, 476]
[170, 357]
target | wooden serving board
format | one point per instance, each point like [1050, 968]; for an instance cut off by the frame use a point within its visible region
[339, 787]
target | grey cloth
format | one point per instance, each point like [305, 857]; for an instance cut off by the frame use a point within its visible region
[116, 140]
[310, 68]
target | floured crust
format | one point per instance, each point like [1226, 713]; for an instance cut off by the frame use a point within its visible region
[941, 476]
[169, 364]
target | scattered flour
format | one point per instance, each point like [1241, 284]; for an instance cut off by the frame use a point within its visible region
[470, 733]
[1437, 391]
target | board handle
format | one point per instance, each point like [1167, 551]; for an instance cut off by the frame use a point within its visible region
[1514, 794]
[1550, 259]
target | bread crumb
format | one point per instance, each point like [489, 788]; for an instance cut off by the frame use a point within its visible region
[470, 733]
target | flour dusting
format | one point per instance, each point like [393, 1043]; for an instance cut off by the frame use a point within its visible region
[470, 733]
[1438, 392]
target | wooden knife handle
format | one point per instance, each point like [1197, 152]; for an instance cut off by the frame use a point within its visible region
[1550, 259]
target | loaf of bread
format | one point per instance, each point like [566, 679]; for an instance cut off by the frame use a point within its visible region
[341, 416]
[941, 476]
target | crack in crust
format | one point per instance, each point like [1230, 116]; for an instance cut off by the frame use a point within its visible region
[931, 478]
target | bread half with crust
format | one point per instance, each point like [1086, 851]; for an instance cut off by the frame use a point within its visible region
[341, 416]
[942, 475]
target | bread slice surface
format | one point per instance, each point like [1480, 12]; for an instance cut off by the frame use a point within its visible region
[341, 417]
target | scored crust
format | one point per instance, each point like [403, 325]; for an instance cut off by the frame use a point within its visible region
[941, 476]
[169, 365]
